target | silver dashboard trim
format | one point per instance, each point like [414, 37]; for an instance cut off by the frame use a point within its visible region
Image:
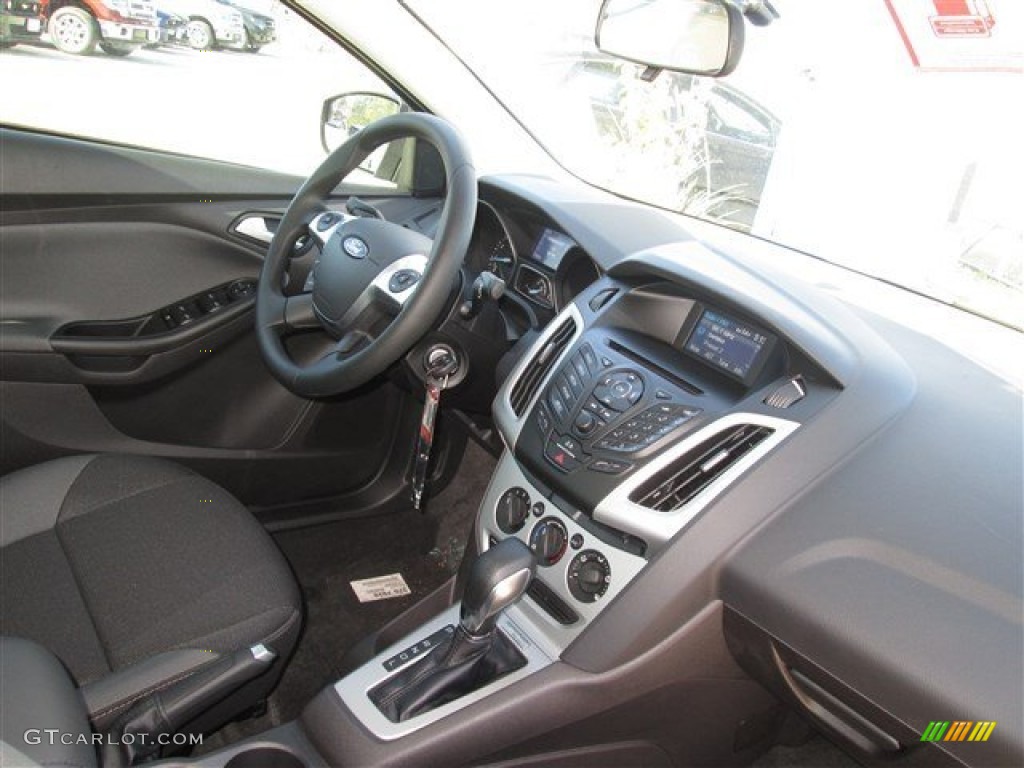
[509, 425]
[545, 303]
[415, 262]
[656, 528]
[624, 566]
[354, 689]
[255, 227]
[328, 233]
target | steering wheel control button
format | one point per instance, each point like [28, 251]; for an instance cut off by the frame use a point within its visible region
[403, 280]
[589, 576]
[513, 510]
[326, 221]
[548, 541]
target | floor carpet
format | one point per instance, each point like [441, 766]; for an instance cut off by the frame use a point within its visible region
[425, 548]
[819, 752]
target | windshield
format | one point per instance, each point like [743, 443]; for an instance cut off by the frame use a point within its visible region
[884, 137]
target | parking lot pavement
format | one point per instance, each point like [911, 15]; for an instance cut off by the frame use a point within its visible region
[257, 109]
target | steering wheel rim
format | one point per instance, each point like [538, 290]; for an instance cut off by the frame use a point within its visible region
[278, 314]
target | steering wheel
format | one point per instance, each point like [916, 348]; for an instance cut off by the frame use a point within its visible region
[377, 286]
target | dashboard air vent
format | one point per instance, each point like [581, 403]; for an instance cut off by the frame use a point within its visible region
[526, 387]
[682, 480]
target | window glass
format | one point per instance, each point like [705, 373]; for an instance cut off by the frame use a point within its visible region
[243, 83]
[882, 135]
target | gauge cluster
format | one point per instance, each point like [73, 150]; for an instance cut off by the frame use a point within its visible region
[541, 265]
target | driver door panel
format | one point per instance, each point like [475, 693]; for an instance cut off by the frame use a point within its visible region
[98, 243]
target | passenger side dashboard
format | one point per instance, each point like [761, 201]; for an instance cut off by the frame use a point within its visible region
[783, 535]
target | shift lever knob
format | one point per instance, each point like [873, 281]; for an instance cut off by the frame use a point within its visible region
[497, 579]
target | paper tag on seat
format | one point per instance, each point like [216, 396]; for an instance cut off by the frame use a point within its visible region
[380, 588]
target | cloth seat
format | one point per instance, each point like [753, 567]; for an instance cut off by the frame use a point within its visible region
[137, 573]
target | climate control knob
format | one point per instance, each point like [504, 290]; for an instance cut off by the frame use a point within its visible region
[513, 509]
[589, 576]
[548, 541]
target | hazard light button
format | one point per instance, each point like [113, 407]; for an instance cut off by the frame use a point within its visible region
[564, 452]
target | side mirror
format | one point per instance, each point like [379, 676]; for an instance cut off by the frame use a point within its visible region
[344, 115]
[700, 37]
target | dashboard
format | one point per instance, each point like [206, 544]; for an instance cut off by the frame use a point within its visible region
[744, 494]
[688, 432]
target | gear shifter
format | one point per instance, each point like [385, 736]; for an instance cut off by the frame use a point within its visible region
[497, 579]
[476, 654]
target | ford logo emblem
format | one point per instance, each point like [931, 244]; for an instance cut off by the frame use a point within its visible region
[355, 247]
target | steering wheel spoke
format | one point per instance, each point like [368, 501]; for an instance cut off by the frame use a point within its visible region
[397, 283]
[352, 342]
[287, 314]
[324, 225]
[299, 314]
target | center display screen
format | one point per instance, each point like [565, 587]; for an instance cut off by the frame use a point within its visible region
[551, 248]
[728, 344]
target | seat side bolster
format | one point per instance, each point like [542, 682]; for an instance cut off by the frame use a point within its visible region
[31, 498]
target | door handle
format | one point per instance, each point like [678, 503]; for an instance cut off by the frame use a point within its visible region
[833, 715]
[256, 226]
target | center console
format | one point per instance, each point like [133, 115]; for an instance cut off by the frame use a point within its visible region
[623, 422]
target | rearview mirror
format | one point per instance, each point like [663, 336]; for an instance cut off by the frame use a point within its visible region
[343, 116]
[701, 37]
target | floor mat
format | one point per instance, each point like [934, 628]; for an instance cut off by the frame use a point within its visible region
[425, 548]
[818, 752]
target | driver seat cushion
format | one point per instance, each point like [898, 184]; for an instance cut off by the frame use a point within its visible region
[136, 572]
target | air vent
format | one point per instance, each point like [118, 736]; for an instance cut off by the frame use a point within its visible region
[537, 369]
[680, 482]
